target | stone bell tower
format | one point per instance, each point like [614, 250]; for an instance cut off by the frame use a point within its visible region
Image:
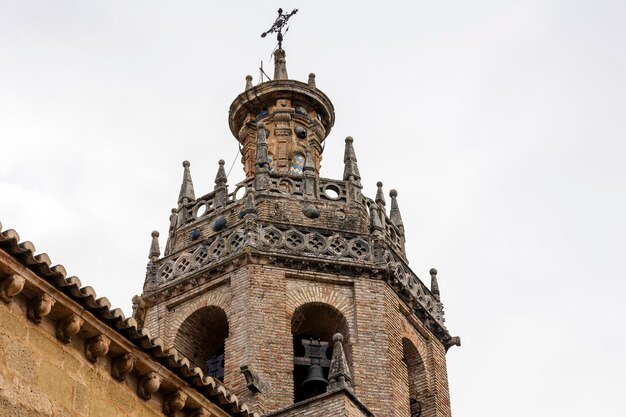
[294, 290]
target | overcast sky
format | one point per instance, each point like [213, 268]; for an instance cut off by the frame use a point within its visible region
[501, 124]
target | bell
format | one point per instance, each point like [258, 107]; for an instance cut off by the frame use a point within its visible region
[315, 383]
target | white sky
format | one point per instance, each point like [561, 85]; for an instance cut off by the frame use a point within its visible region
[501, 124]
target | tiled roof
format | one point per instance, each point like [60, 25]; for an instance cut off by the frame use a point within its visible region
[41, 265]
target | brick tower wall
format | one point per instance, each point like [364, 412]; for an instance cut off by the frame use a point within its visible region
[260, 300]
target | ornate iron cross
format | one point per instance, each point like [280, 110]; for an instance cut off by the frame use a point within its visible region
[279, 24]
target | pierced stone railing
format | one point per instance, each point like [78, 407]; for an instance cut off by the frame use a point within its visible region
[411, 288]
[206, 205]
[301, 242]
[393, 236]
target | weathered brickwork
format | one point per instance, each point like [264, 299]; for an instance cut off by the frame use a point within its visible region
[261, 302]
[340, 403]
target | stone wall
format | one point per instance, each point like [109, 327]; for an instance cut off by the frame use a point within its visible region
[39, 376]
[65, 353]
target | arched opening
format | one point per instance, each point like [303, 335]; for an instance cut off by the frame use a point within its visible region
[416, 378]
[202, 338]
[312, 327]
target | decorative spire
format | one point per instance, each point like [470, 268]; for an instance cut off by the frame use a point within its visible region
[380, 196]
[248, 82]
[220, 178]
[312, 80]
[394, 214]
[339, 373]
[280, 65]
[350, 169]
[434, 285]
[186, 189]
[220, 186]
[155, 251]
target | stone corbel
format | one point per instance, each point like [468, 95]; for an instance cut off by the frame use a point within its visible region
[174, 403]
[122, 366]
[68, 327]
[148, 385]
[253, 382]
[40, 307]
[10, 287]
[96, 347]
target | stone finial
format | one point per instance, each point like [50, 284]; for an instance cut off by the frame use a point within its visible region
[148, 385]
[40, 307]
[174, 403]
[155, 251]
[139, 310]
[350, 169]
[380, 195]
[339, 373]
[68, 327]
[312, 80]
[171, 235]
[220, 178]
[122, 366]
[96, 347]
[221, 196]
[10, 287]
[186, 189]
[434, 285]
[394, 213]
[249, 205]
[280, 65]
[248, 82]
[375, 223]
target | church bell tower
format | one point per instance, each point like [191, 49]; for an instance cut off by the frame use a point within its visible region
[293, 290]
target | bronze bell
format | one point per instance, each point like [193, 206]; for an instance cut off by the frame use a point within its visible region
[315, 383]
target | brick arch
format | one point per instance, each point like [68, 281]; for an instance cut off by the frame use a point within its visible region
[316, 320]
[417, 378]
[180, 313]
[323, 295]
[408, 332]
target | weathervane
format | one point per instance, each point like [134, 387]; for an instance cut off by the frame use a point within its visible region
[279, 24]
